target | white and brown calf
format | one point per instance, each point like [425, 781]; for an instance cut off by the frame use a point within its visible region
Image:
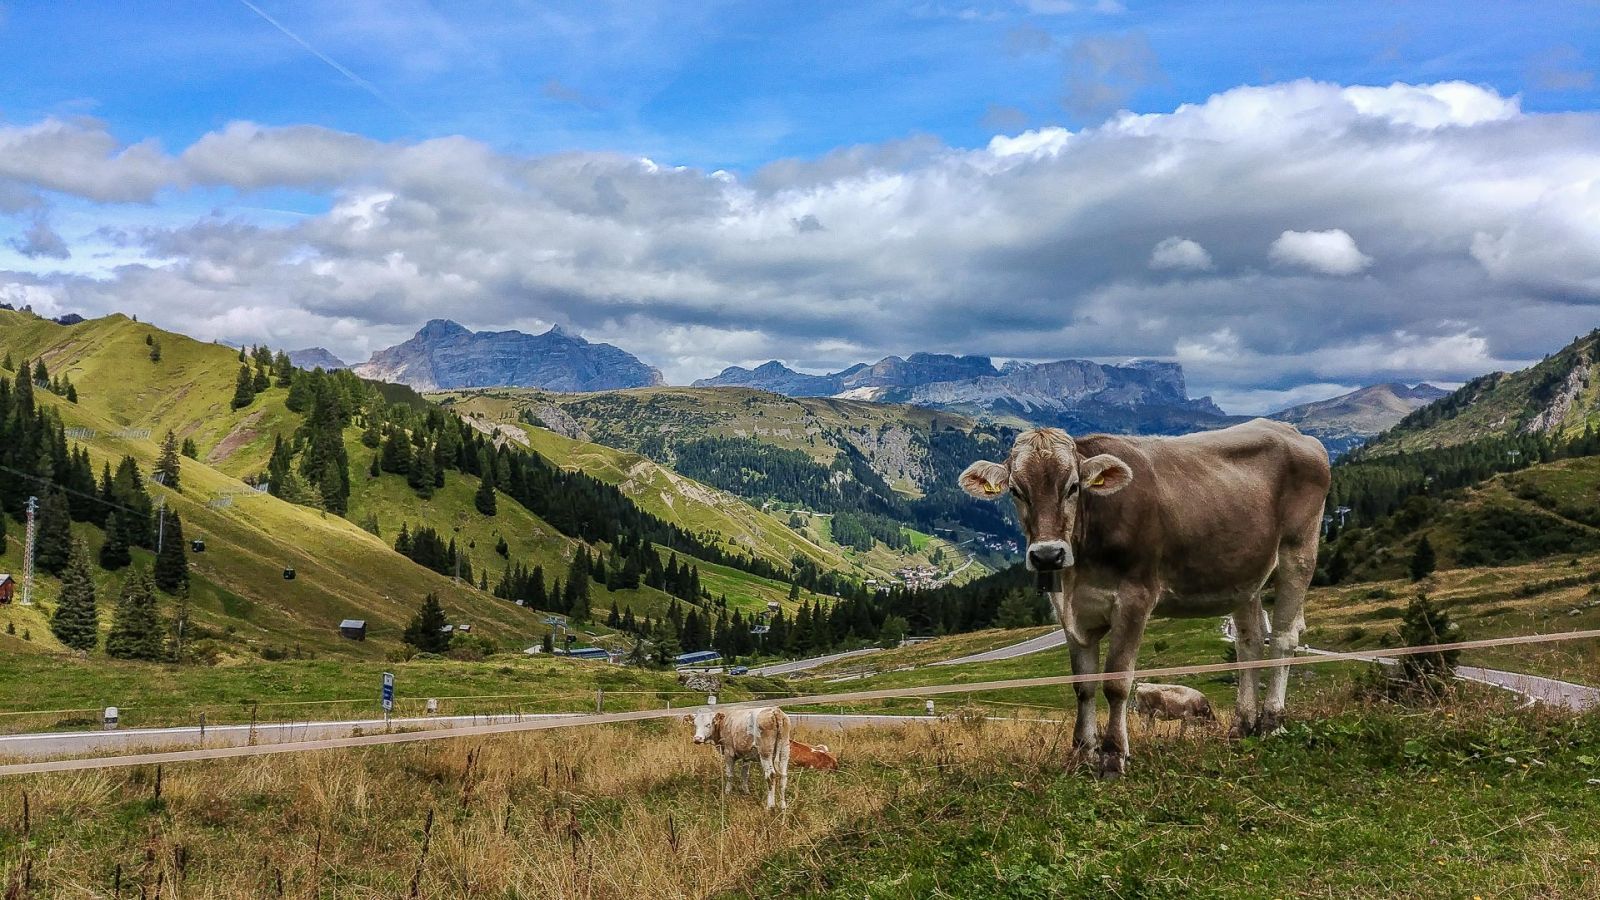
[748, 735]
[1171, 702]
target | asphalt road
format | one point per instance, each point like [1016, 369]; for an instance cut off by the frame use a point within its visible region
[1577, 697]
[800, 665]
[78, 743]
[1048, 641]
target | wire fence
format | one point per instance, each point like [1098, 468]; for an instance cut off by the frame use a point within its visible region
[838, 699]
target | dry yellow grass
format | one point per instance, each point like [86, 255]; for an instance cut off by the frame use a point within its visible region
[609, 812]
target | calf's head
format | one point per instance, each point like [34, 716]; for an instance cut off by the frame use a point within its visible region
[707, 725]
[1047, 477]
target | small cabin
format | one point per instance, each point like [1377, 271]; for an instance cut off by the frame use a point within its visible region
[8, 587]
[354, 629]
[447, 629]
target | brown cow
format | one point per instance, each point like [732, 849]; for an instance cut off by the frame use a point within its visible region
[808, 757]
[1184, 526]
[747, 735]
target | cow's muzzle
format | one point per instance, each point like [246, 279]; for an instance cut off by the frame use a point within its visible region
[1049, 556]
[699, 740]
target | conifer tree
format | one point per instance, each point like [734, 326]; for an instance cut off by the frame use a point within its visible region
[75, 621]
[54, 549]
[420, 474]
[1426, 624]
[244, 391]
[167, 465]
[190, 449]
[426, 631]
[484, 498]
[114, 552]
[172, 561]
[284, 369]
[577, 591]
[137, 631]
[1423, 560]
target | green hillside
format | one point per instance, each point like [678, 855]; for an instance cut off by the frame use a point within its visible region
[1559, 398]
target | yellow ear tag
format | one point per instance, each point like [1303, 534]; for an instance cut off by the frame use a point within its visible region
[991, 488]
[1098, 481]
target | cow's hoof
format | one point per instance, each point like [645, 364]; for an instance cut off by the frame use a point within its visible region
[1270, 722]
[1241, 728]
[1112, 765]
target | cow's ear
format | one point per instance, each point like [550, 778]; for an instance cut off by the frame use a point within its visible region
[1104, 474]
[688, 719]
[986, 480]
[719, 719]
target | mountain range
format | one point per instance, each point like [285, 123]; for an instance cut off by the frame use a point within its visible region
[1345, 422]
[316, 358]
[1079, 395]
[445, 356]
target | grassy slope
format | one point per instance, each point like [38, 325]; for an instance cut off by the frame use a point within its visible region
[699, 508]
[341, 570]
[1502, 407]
[622, 418]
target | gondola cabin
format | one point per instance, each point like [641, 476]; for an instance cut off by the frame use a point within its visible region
[198, 545]
[288, 574]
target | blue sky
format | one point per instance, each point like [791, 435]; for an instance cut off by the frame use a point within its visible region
[735, 85]
[718, 183]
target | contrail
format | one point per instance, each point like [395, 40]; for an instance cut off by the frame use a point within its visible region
[334, 64]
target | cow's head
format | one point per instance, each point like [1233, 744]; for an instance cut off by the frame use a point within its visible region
[1047, 478]
[707, 725]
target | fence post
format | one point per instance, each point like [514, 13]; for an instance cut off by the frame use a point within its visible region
[599, 700]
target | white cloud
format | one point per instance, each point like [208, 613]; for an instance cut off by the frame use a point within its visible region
[1179, 253]
[1331, 252]
[1034, 246]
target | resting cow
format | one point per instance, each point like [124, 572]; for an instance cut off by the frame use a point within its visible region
[747, 735]
[1184, 526]
[1171, 702]
[808, 757]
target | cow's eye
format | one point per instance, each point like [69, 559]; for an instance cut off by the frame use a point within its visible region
[1018, 494]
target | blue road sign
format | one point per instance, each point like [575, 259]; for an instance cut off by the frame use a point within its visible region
[388, 691]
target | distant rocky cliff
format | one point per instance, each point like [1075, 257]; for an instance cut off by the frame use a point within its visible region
[444, 355]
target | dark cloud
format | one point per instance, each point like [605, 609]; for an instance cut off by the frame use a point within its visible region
[1104, 71]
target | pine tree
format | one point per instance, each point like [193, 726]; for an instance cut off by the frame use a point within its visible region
[137, 631]
[426, 631]
[75, 621]
[244, 392]
[284, 369]
[167, 472]
[396, 455]
[1423, 560]
[614, 618]
[190, 449]
[1425, 624]
[420, 475]
[484, 498]
[54, 549]
[172, 561]
[114, 552]
[577, 593]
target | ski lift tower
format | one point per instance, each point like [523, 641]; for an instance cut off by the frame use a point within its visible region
[27, 555]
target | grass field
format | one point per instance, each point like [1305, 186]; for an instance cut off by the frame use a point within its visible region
[1352, 800]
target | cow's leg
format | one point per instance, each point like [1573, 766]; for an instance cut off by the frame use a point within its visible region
[1085, 661]
[769, 771]
[783, 771]
[745, 766]
[1247, 642]
[727, 773]
[1296, 564]
[1127, 631]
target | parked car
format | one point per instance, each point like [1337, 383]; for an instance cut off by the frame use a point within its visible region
[739, 670]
